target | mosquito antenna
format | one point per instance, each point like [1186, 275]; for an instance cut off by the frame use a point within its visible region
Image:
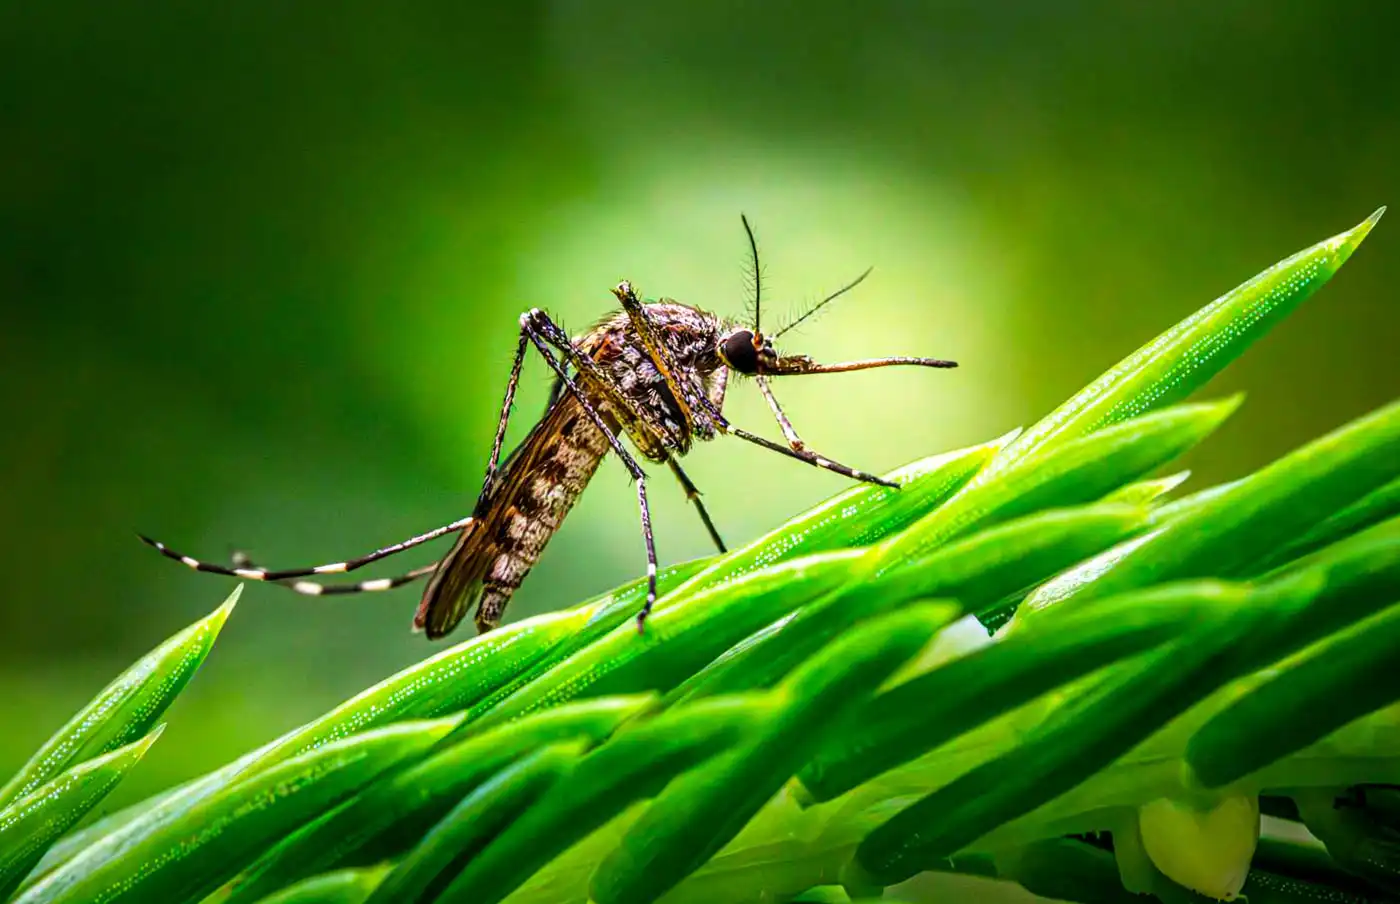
[830, 298]
[757, 276]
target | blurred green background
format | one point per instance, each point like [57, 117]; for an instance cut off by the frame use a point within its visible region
[262, 263]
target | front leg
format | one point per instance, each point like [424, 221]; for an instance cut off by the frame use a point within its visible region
[544, 333]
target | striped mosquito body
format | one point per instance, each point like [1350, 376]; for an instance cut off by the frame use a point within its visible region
[654, 373]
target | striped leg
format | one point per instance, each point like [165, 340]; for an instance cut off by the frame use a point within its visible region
[315, 588]
[809, 457]
[693, 495]
[514, 381]
[544, 333]
[262, 574]
[789, 433]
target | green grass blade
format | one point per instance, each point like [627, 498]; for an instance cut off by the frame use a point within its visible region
[937, 706]
[384, 818]
[444, 683]
[604, 614]
[1145, 492]
[699, 813]
[1343, 679]
[683, 637]
[1073, 473]
[975, 571]
[348, 886]
[635, 764]
[192, 850]
[1376, 506]
[1182, 359]
[29, 825]
[860, 516]
[1077, 740]
[1235, 530]
[429, 868]
[69, 845]
[126, 709]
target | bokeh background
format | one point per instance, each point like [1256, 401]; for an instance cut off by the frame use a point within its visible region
[261, 265]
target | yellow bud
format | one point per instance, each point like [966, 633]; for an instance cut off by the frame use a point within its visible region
[1207, 850]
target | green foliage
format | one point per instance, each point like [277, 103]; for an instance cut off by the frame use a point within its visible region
[812, 708]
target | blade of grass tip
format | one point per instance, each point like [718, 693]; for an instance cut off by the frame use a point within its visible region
[1186, 356]
[1077, 740]
[1072, 473]
[1343, 679]
[126, 709]
[928, 710]
[196, 849]
[1176, 508]
[384, 818]
[699, 813]
[29, 825]
[633, 765]
[435, 686]
[429, 868]
[974, 571]
[1145, 492]
[1229, 535]
[347, 886]
[1066, 584]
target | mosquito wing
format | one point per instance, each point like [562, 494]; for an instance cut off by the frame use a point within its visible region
[539, 483]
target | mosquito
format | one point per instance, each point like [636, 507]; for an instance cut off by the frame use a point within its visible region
[653, 372]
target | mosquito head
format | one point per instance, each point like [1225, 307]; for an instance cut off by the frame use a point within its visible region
[747, 352]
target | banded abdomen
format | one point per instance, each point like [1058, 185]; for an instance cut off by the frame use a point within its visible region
[536, 487]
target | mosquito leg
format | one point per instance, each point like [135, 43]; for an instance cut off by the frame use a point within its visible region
[262, 574]
[509, 403]
[314, 588]
[789, 433]
[810, 458]
[543, 332]
[693, 495]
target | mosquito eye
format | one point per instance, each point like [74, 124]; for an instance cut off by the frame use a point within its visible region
[739, 352]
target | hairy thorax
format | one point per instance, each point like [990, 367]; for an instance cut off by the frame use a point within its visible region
[690, 337]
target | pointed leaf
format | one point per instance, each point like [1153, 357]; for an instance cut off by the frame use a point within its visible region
[384, 818]
[933, 708]
[29, 825]
[188, 852]
[126, 709]
[1234, 531]
[682, 637]
[1124, 707]
[699, 813]
[1074, 473]
[469, 827]
[347, 886]
[635, 764]
[1182, 359]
